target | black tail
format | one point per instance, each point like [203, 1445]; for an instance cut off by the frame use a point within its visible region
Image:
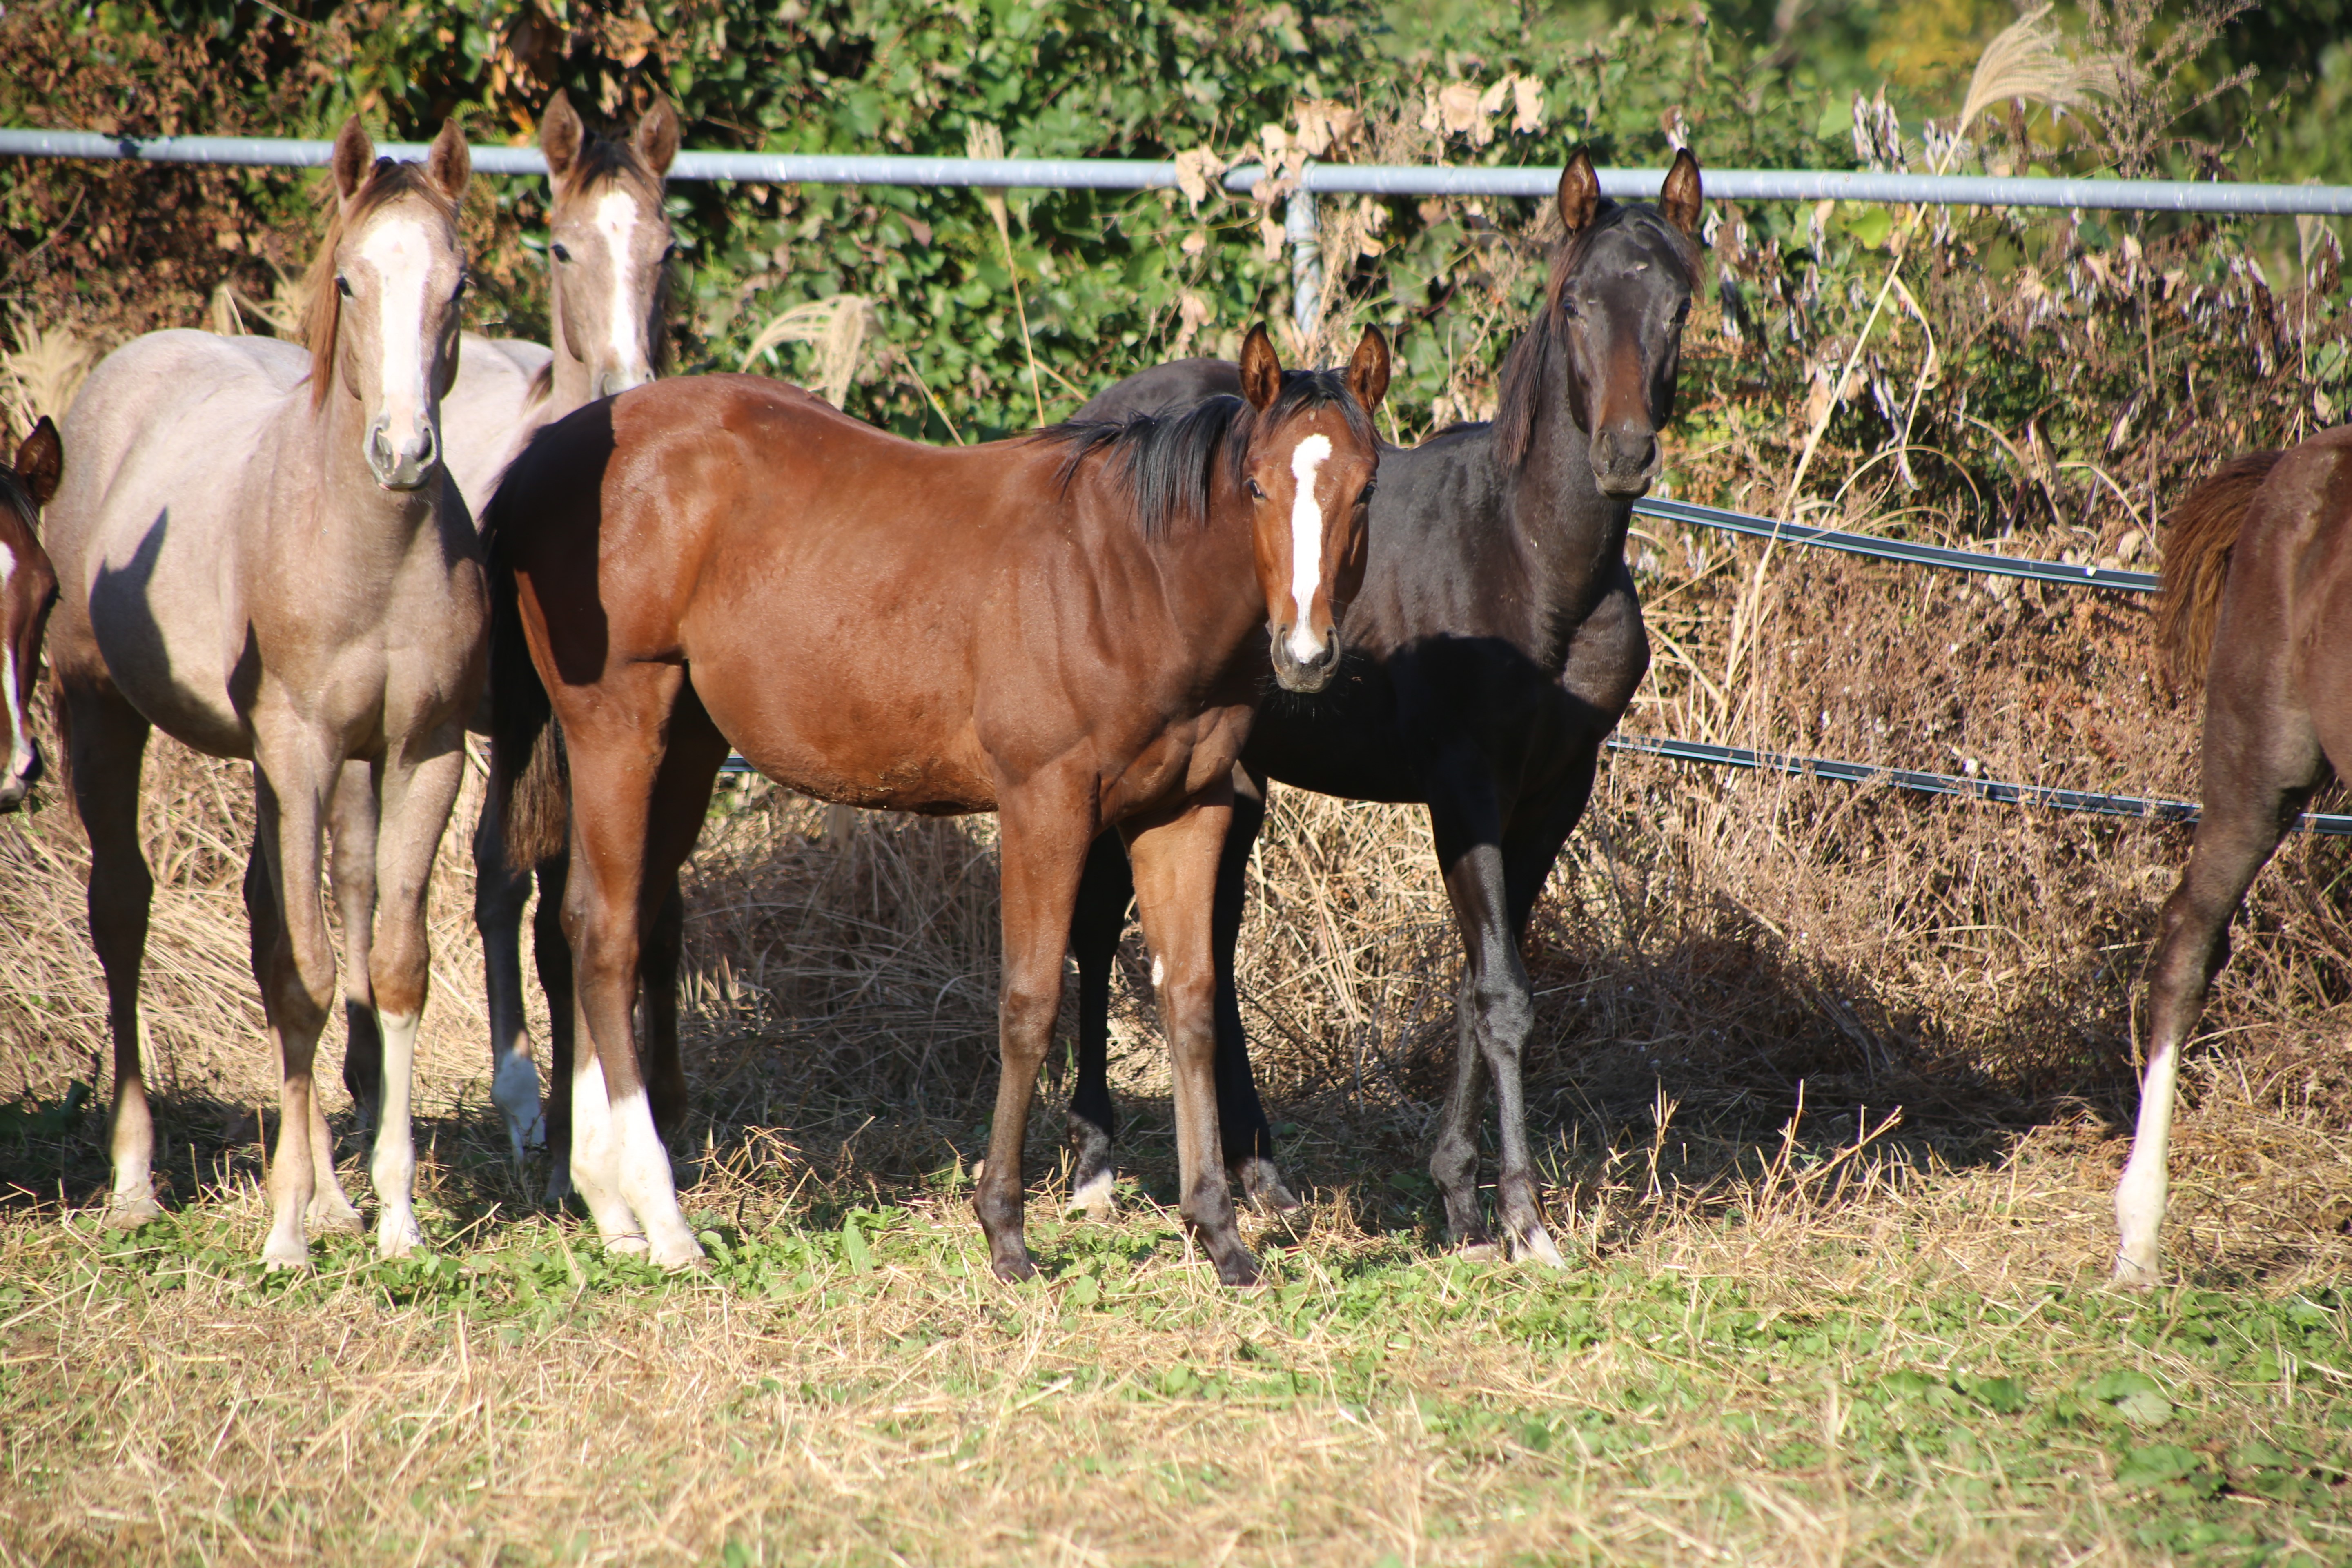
[530, 784]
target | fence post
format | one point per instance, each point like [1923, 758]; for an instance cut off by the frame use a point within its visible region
[1306, 264]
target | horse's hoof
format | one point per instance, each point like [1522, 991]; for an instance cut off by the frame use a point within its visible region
[397, 1235]
[334, 1217]
[1092, 1198]
[630, 1246]
[1261, 1184]
[1479, 1252]
[282, 1252]
[1237, 1269]
[131, 1211]
[1536, 1246]
[2134, 1275]
[1013, 1270]
[558, 1189]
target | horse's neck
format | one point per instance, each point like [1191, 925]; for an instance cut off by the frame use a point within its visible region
[568, 384]
[351, 529]
[1570, 536]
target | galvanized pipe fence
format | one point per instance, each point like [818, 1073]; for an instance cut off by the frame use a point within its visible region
[1300, 228]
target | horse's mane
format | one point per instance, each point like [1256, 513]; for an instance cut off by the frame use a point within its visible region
[1169, 461]
[323, 306]
[1530, 366]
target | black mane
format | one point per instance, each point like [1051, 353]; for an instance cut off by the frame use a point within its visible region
[1530, 364]
[1169, 461]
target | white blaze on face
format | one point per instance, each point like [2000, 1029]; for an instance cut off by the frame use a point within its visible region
[616, 220]
[400, 252]
[1307, 460]
[20, 744]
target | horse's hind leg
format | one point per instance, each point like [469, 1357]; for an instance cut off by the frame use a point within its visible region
[2256, 782]
[352, 868]
[1241, 1114]
[618, 1161]
[1096, 922]
[551, 947]
[419, 786]
[657, 976]
[106, 739]
[499, 894]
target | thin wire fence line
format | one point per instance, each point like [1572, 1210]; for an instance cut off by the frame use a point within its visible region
[2059, 573]
[1122, 173]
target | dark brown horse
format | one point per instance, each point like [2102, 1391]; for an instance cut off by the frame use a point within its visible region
[28, 586]
[2257, 604]
[1070, 630]
[1495, 642]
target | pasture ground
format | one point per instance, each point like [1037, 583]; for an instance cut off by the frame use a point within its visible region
[1831, 1088]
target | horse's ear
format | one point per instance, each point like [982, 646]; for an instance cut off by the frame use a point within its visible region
[1679, 198]
[41, 461]
[560, 135]
[1367, 371]
[1261, 370]
[657, 136]
[447, 163]
[354, 156]
[1580, 192]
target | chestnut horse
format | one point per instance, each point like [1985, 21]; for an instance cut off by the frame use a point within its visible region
[1494, 645]
[1060, 628]
[260, 551]
[28, 586]
[2257, 605]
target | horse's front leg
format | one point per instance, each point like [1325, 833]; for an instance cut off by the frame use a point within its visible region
[419, 785]
[1175, 856]
[1047, 822]
[500, 891]
[293, 963]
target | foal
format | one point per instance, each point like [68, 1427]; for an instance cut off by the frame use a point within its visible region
[1063, 628]
[258, 551]
[608, 293]
[1494, 645]
[28, 586]
[2257, 602]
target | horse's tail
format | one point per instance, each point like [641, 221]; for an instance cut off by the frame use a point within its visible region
[2197, 538]
[529, 779]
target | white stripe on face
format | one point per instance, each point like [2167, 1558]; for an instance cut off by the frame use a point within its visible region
[400, 253]
[616, 220]
[1307, 460]
[20, 744]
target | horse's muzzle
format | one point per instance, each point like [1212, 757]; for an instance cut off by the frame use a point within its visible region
[404, 464]
[613, 383]
[1305, 675]
[1624, 461]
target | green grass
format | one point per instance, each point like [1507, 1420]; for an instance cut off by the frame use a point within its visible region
[847, 1383]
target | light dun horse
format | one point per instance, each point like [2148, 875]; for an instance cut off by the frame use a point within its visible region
[259, 552]
[2257, 604]
[28, 586]
[608, 293]
[1070, 630]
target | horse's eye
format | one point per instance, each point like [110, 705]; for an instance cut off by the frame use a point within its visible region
[459, 293]
[1569, 308]
[669, 250]
[1255, 493]
[560, 252]
[342, 286]
[1364, 496]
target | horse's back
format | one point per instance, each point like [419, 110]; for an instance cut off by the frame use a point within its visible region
[169, 442]
[499, 398]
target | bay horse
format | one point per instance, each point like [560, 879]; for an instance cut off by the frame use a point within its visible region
[2256, 606]
[1495, 644]
[260, 551]
[28, 587]
[1062, 627]
[609, 246]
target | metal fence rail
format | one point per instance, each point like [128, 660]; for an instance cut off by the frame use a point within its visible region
[1372, 179]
